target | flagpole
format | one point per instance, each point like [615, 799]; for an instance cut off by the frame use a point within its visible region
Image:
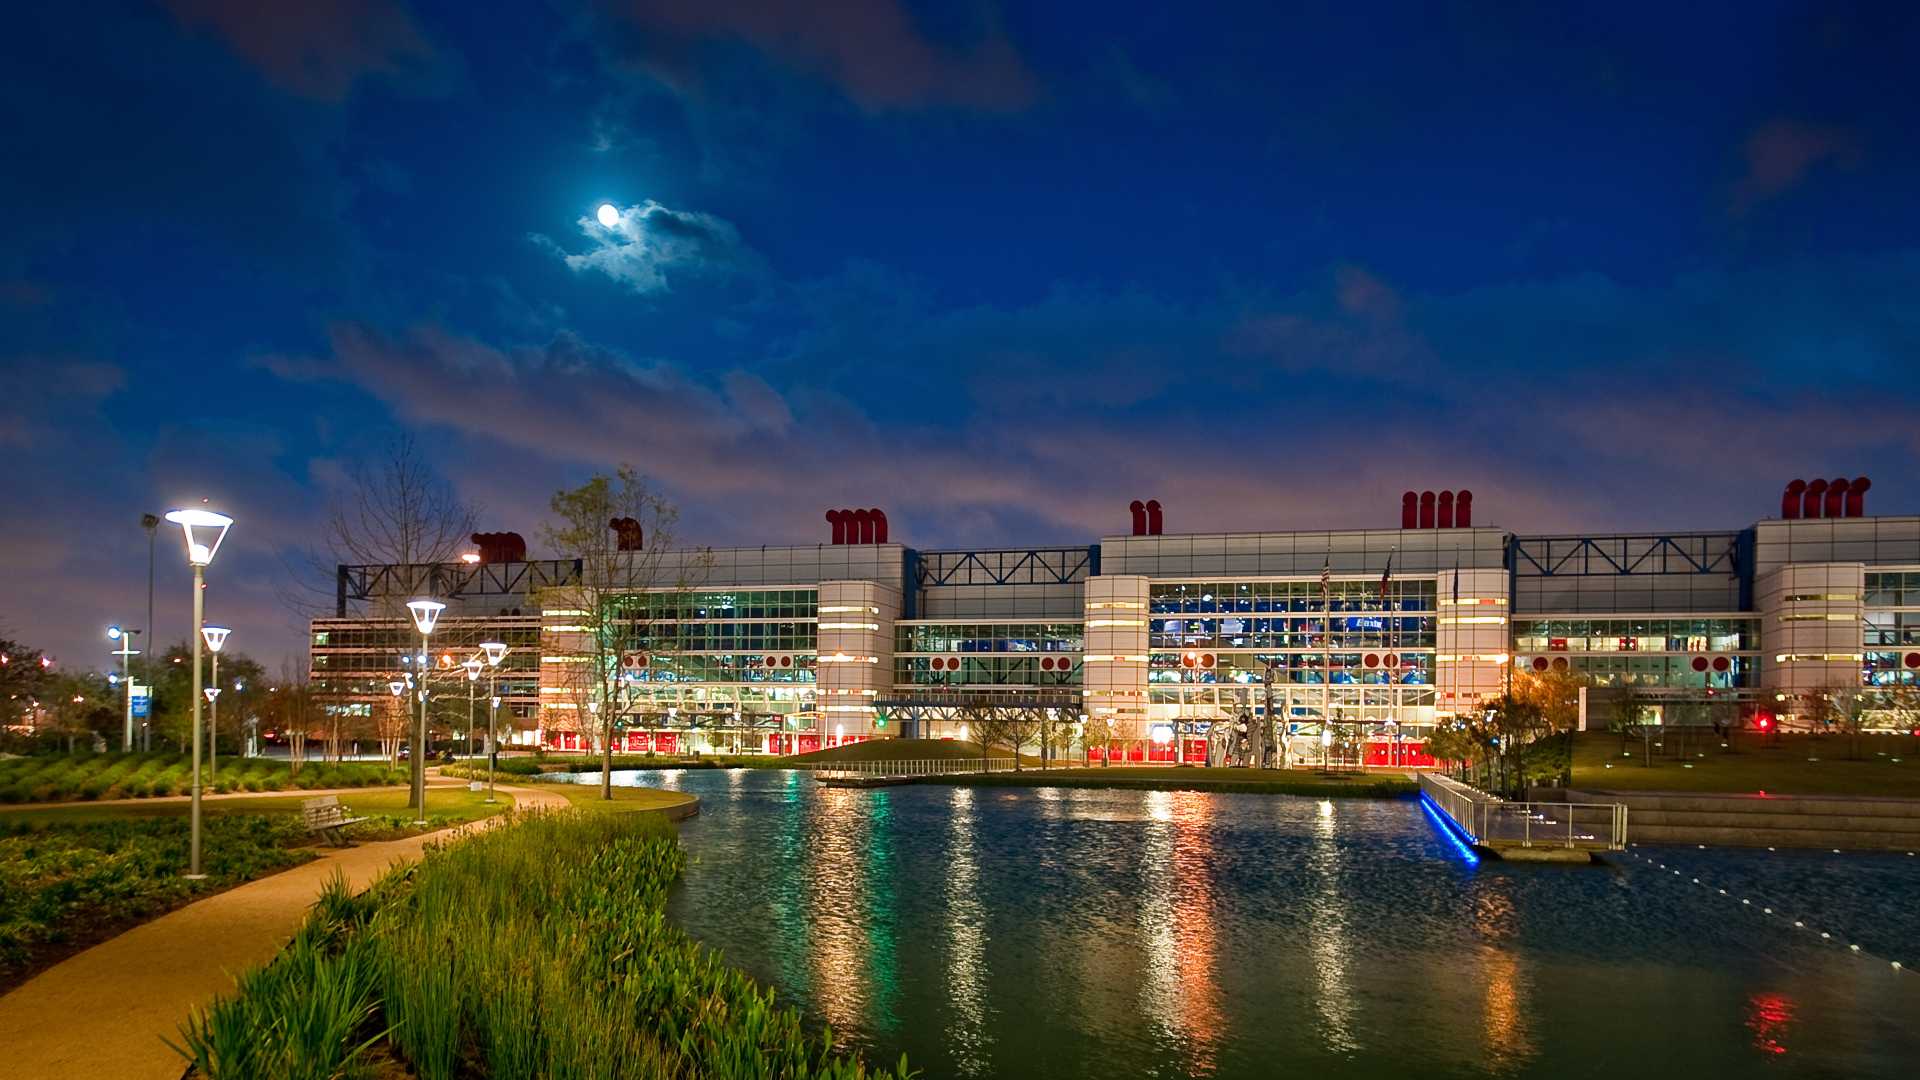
[1326, 659]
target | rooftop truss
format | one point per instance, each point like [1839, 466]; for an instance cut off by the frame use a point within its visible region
[1014, 566]
[448, 580]
[1596, 556]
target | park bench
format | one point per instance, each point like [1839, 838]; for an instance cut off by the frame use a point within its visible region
[327, 817]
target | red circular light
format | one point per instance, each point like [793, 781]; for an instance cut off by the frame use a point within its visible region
[1721, 663]
[1186, 660]
[1699, 663]
[786, 661]
[1559, 663]
[1540, 663]
[1206, 660]
[1372, 660]
[1913, 659]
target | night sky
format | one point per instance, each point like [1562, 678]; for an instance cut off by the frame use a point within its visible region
[996, 268]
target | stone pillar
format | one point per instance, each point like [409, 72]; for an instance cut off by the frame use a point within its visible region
[855, 664]
[1114, 671]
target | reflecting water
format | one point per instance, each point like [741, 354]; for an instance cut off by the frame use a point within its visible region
[1085, 933]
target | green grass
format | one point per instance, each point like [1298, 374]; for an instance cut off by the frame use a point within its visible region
[1888, 765]
[446, 805]
[1173, 778]
[587, 797]
[66, 884]
[86, 777]
[572, 972]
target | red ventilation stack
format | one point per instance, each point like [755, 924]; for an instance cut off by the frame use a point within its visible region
[1837, 498]
[858, 526]
[1790, 499]
[1445, 518]
[1857, 497]
[1409, 511]
[1814, 499]
[1139, 511]
[1463, 509]
[499, 547]
[1153, 517]
[1426, 509]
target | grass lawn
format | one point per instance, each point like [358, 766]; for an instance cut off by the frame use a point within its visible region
[1888, 765]
[1172, 778]
[625, 799]
[445, 806]
[86, 776]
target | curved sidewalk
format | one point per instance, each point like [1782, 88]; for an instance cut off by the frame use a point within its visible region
[103, 1012]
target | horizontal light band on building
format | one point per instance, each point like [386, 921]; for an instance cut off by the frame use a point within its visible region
[1474, 658]
[1827, 617]
[847, 708]
[856, 609]
[1794, 658]
[849, 626]
[1115, 622]
[565, 659]
[1116, 605]
[1482, 620]
[564, 629]
[843, 658]
[1808, 598]
[551, 613]
[1473, 601]
[845, 692]
[1093, 658]
[558, 705]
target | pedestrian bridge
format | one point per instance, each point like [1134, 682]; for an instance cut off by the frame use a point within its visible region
[1542, 831]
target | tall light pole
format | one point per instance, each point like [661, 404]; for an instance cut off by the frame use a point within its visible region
[211, 527]
[216, 637]
[473, 666]
[495, 651]
[126, 649]
[425, 614]
[149, 522]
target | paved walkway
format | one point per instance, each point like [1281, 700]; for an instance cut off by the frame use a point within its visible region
[102, 1012]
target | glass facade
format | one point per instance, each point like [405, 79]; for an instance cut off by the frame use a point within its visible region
[990, 653]
[1650, 652]
[1890, 638]
[351, 661]
[725, 657]
[1892, 589]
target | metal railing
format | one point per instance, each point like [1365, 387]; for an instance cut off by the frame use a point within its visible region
[1496, 822]
[910, 767]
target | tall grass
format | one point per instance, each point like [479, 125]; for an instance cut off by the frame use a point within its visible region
[536, 950]
[69, 777]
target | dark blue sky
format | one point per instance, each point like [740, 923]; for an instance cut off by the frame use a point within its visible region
[996, 268]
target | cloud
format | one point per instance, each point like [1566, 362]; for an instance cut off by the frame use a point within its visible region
[315, 48]
[652, 244]
[42, 395]
[871, 49]
[1780, 154]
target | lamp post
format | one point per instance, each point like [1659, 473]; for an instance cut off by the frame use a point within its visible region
[473, 666]
[216, 637]
[149, 522]
[425, 614]
[210, 527]
[495, 652]
[126, 649]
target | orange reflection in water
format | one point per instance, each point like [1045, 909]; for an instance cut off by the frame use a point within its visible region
[1201, 1016]
[1508, 1033]
[1768, 1017]
[838, 946]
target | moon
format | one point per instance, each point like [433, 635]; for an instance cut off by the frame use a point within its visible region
[608, 214]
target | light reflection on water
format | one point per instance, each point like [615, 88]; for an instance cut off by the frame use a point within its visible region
[1065, 933]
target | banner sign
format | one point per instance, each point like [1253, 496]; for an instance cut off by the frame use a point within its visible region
[142, 700]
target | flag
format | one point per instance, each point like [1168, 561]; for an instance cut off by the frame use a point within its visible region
[1386, 577]
[1326, 578]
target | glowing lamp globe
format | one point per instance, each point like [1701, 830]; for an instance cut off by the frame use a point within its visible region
[473, 669]
[496, 652]
[113, 633]
[204, 530]
[397, 687]
[425, 613]
[212, 692]
[216, 636]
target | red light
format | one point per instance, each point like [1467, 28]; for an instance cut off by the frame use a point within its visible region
[1763, 721]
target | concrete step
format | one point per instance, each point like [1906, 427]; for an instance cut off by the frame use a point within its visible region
[1843, 839]
[1694, 819]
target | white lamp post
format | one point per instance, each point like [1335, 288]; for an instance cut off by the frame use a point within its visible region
[126, 649]
[204, 531]
[473, 666]
[495, 652]
[425, 614]
[216, 637]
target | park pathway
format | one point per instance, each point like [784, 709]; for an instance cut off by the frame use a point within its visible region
[102, 1013]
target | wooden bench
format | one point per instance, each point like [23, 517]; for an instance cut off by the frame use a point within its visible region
[327, 817]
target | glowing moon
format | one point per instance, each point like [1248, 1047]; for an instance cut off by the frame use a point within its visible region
[609, 215]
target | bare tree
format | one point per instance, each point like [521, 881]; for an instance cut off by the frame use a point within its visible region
[632, 589]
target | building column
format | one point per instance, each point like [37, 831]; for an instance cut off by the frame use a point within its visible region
[1472, 658]
[855, 665]
[1114, 670]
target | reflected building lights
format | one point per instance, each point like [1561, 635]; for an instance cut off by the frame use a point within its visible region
[837, 945]
[1327, 937]
[967, 1034]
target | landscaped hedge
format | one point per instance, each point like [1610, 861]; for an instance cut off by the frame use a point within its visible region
[77, 777]
[59, 882]
[538, 949]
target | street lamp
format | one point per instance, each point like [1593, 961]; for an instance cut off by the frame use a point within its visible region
[495, 652]
[204, 531]
[126, 649]
[473, 666]
[216, 637]
[425, 614]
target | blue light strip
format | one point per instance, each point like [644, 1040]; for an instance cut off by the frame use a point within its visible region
[1456, 837]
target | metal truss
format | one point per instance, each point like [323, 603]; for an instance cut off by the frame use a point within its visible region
[1017, 566]
[447, 580]
[1607, 556]
[972, 704]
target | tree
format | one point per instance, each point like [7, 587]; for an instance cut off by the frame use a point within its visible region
[25, 677]
[1098, 730]
[292, 708]
[630, 595]
[1628, 718]
[1555, 694]
[1451, 742]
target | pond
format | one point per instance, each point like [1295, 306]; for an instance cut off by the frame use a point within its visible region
[1064, 933]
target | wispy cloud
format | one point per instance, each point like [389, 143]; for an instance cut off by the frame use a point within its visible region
[649, 246]
[1782, 153]
[315, 48]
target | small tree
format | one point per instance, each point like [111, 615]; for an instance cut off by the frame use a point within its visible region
[628, 599]
[1098, 730]
[1628, 717]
